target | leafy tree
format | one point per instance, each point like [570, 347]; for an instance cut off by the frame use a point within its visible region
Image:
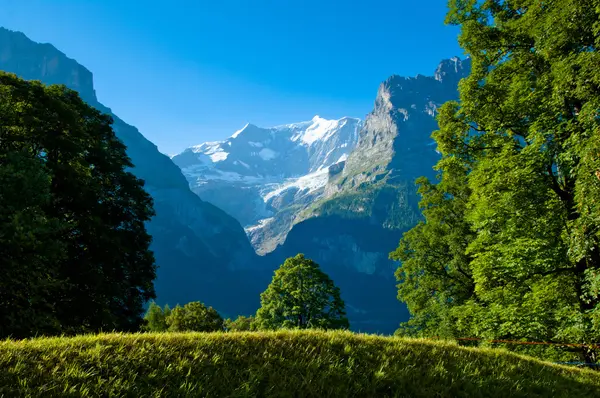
[302, 296]
[525, 226]
[89, 205]
[435, 276]
[29, 248]
[241, 323]
[175, 320]
[194, 316]
[156, 318]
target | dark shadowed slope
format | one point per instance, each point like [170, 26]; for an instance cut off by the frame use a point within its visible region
[201, 251]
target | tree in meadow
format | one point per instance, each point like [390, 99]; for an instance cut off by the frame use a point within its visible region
[241, 323]
[30, 248]
[301, 296]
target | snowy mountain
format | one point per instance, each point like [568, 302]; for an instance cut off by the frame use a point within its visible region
[258, 174]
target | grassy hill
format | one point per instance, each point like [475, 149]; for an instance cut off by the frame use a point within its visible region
[282, 364]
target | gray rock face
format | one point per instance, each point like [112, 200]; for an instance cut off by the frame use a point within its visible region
[265, 177]
[197, 246]
[370, 199]
[395, 143]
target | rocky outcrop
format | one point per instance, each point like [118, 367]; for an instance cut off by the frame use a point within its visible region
[395, 144]
[200, 250]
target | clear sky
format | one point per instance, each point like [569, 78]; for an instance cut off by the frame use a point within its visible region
[185, 72]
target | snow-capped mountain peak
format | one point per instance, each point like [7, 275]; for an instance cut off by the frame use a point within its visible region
[270, 162]
[290, 150]
[319, 130]
[240, 131]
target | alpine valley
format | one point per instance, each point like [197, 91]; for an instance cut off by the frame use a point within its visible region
[340, 191]
[228, 213]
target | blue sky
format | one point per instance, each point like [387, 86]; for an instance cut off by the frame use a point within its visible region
[185, 72]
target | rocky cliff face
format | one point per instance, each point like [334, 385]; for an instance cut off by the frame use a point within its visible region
[395, 144]
[200, 250]
[370, 199]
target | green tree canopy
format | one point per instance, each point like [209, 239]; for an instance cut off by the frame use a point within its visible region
[241, 323]
[29, 248]
[196, 317]
[156, 318]
[74, 252]
[302, 296]
[509, 248]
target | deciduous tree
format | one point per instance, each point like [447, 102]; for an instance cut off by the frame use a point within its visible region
[89, 204]
[301, 296]
[524, 142]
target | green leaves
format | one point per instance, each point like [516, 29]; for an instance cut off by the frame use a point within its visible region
[193, 316]
[241, 323]
[156, 318]
[83, 216]
[301, 296]
[29, 248]
[516, 209]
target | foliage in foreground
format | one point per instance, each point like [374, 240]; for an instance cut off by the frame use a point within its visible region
[269, 364]
[510, 244]
[302, 296]
[74, 250]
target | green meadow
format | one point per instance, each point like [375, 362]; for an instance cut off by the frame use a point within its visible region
[276, 364]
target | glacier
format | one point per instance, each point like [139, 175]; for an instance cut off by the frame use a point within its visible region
[258, 174]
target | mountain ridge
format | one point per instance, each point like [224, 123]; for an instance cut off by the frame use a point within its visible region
[191, 237]
[258, 174]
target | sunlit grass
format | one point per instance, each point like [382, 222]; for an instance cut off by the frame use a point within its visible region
[269, 364]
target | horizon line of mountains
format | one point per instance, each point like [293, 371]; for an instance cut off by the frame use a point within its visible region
[229, 212]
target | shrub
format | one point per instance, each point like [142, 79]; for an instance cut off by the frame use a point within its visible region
[194, 316]
[240, 324]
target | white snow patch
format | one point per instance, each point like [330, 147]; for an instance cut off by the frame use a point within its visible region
[261, 224]
[206, 147]
[202, 174]
[211, 149]
[244, 164]
[218, 156]
[234, 135]
[431, 108]
[342, 158]
[312, 182]
[320, 130]
[267, 154]
[255, 144]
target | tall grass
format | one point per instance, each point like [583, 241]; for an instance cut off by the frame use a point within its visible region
[276, 364]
